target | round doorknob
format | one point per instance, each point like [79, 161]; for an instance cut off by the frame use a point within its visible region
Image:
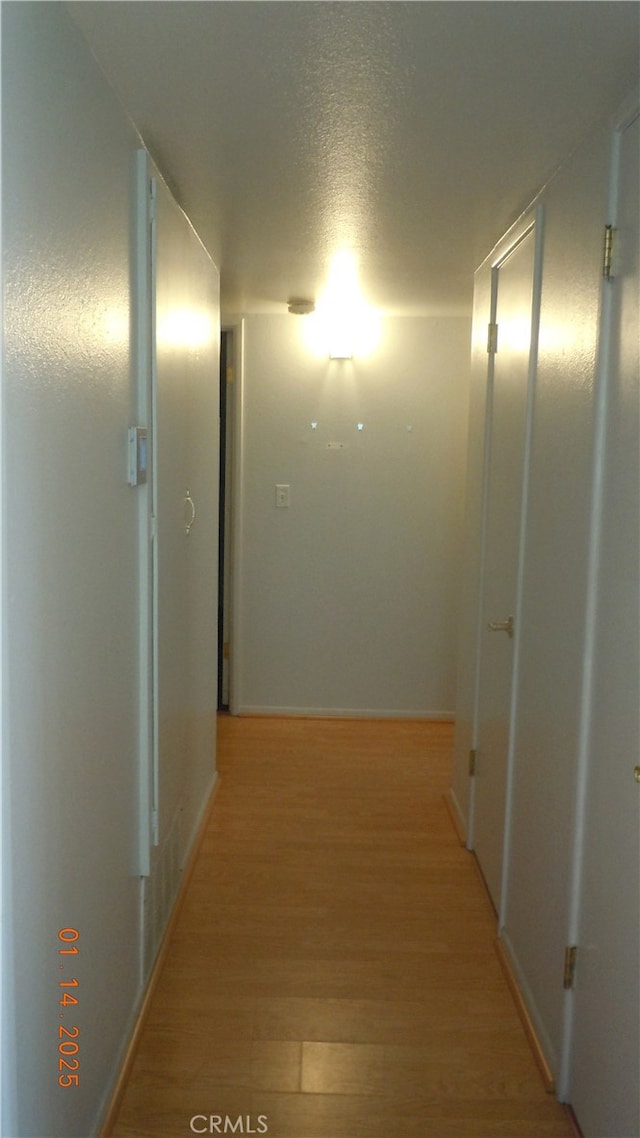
[637, 774]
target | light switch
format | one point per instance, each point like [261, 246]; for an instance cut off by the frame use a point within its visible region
[283, 495]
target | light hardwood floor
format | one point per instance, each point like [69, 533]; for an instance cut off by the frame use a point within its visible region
[333, 966]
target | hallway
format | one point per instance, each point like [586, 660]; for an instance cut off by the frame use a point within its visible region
[332, 973]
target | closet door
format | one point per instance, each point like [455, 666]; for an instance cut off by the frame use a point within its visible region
[178, 368]
[605, 1063]
[186, 428]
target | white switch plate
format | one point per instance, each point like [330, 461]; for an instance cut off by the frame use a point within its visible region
[283, 495]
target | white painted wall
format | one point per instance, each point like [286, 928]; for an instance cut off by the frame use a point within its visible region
[554, 591]
[604, 1084]
[348, 599]
[71, 615]
[71, 606]
[546, 830]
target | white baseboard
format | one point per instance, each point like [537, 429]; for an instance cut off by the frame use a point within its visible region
[457, 817]
[544, 1050]
[344, 713]
[113, 1093]
[199, 820]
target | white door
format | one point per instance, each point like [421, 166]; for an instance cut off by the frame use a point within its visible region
[605, 1062]
[513, 282]
[178, 306]
[163, 398]
[187, 473]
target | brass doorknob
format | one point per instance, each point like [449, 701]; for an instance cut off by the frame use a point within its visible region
[637, 774]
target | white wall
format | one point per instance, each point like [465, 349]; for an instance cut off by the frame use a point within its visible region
[348, 598]
[71, 605]
[553, 700]
[71, 618]
[554, 590]
[604, 1086]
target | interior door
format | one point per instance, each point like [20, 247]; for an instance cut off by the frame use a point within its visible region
[163, 400]
[177, 288]
[508, 410]
[605, 1064]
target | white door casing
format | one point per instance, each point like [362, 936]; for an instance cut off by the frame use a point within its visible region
[510, 380]
[144, 285]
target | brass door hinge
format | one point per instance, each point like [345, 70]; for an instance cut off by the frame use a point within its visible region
[153, 198]
[570, 954]
[607, 254]
[226, 650]
[472, 762]
[492, 339]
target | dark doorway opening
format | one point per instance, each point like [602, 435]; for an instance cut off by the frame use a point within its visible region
[223, 526]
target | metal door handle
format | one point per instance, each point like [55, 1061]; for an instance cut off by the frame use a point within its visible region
[188, 526]
[502, 626]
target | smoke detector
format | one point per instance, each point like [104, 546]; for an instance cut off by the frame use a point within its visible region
[298, 307]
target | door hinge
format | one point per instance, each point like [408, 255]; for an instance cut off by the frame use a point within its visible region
[472, 762]
[153, 192]
[229, 373]
[492, 339]
[607, 252]
[226, 650]
[570, 954]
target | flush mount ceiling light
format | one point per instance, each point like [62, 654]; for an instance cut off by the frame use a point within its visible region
[343, 324]
[340, 336]
[298, 307]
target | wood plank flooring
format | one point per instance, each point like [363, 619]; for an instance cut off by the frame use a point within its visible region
[332, 973]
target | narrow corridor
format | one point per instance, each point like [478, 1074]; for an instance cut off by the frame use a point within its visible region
[332, 973]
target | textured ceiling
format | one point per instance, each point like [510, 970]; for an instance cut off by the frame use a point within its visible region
[412, 134]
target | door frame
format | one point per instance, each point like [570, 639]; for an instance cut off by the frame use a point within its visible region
[531, 219]
[144, 324]
[224, 515]
[231, 513]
